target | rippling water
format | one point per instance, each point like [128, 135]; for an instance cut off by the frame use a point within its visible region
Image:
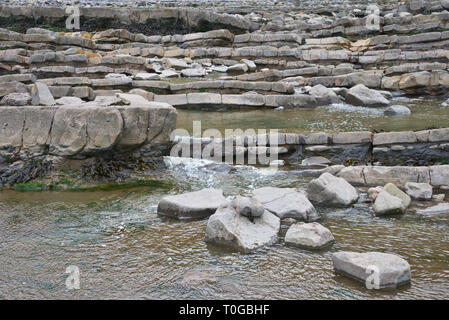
[339, 117]
[124, 250]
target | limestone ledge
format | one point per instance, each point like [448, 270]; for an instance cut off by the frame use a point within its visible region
[78, 132]
[389, 148]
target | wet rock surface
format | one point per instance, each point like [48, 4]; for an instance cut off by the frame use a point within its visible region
[390, 270]
[229, 228]
[192, 205]
[328, 190]
[286, 203]
[311, 236]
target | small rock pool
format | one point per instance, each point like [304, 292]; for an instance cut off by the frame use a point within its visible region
[124, 250]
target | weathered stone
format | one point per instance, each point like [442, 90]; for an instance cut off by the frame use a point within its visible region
[41, 95]
[387, 204]
[249, 207]
[439, 209]
[396, 192]
[191, 205]
[16, 99]
[397, 110]
[329, 190]
[391, 270]
[324, 95]
[68, 101]
[419, 191]
[69, 131]
[310, 236]
[286, 203]
[360, 95]
[227, 227]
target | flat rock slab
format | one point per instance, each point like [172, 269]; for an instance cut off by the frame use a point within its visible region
[383, 269]
[227, 227]
[286, 203]
[191, 205]
[310, 236]
[439, 209]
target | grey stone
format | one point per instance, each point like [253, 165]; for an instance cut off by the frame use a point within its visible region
[286, 203]
[397, 110]
[311, 236]
[198, 204]
[328, 190]
[41, 95]
[439, 209]
[392, 271]
[227, 227]
[249, 207]
[16, 99]
[387, 204]
[69, 100]
[419, 191]
[360, 95]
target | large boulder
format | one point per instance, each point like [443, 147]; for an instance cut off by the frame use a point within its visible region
[191, 205]
[391, 200]
[395, 191]
[360, 95]
[324, 95]
[229, 228]
[397, 110]
[419, 191]
[310, 236]
[387, 204]
[41, 95]
[375, 269]
[286, 203]
[328, 190]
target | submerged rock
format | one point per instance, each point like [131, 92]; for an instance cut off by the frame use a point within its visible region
[360, 95]
[191, 205]
[439, 209]
[229, 228]
[397, 110]
[311, 236]
[315, 161]
[328, 190]
[379, 270]
[419, 191]
[286, 203]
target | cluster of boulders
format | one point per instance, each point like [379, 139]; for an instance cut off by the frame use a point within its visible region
[252, 222]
